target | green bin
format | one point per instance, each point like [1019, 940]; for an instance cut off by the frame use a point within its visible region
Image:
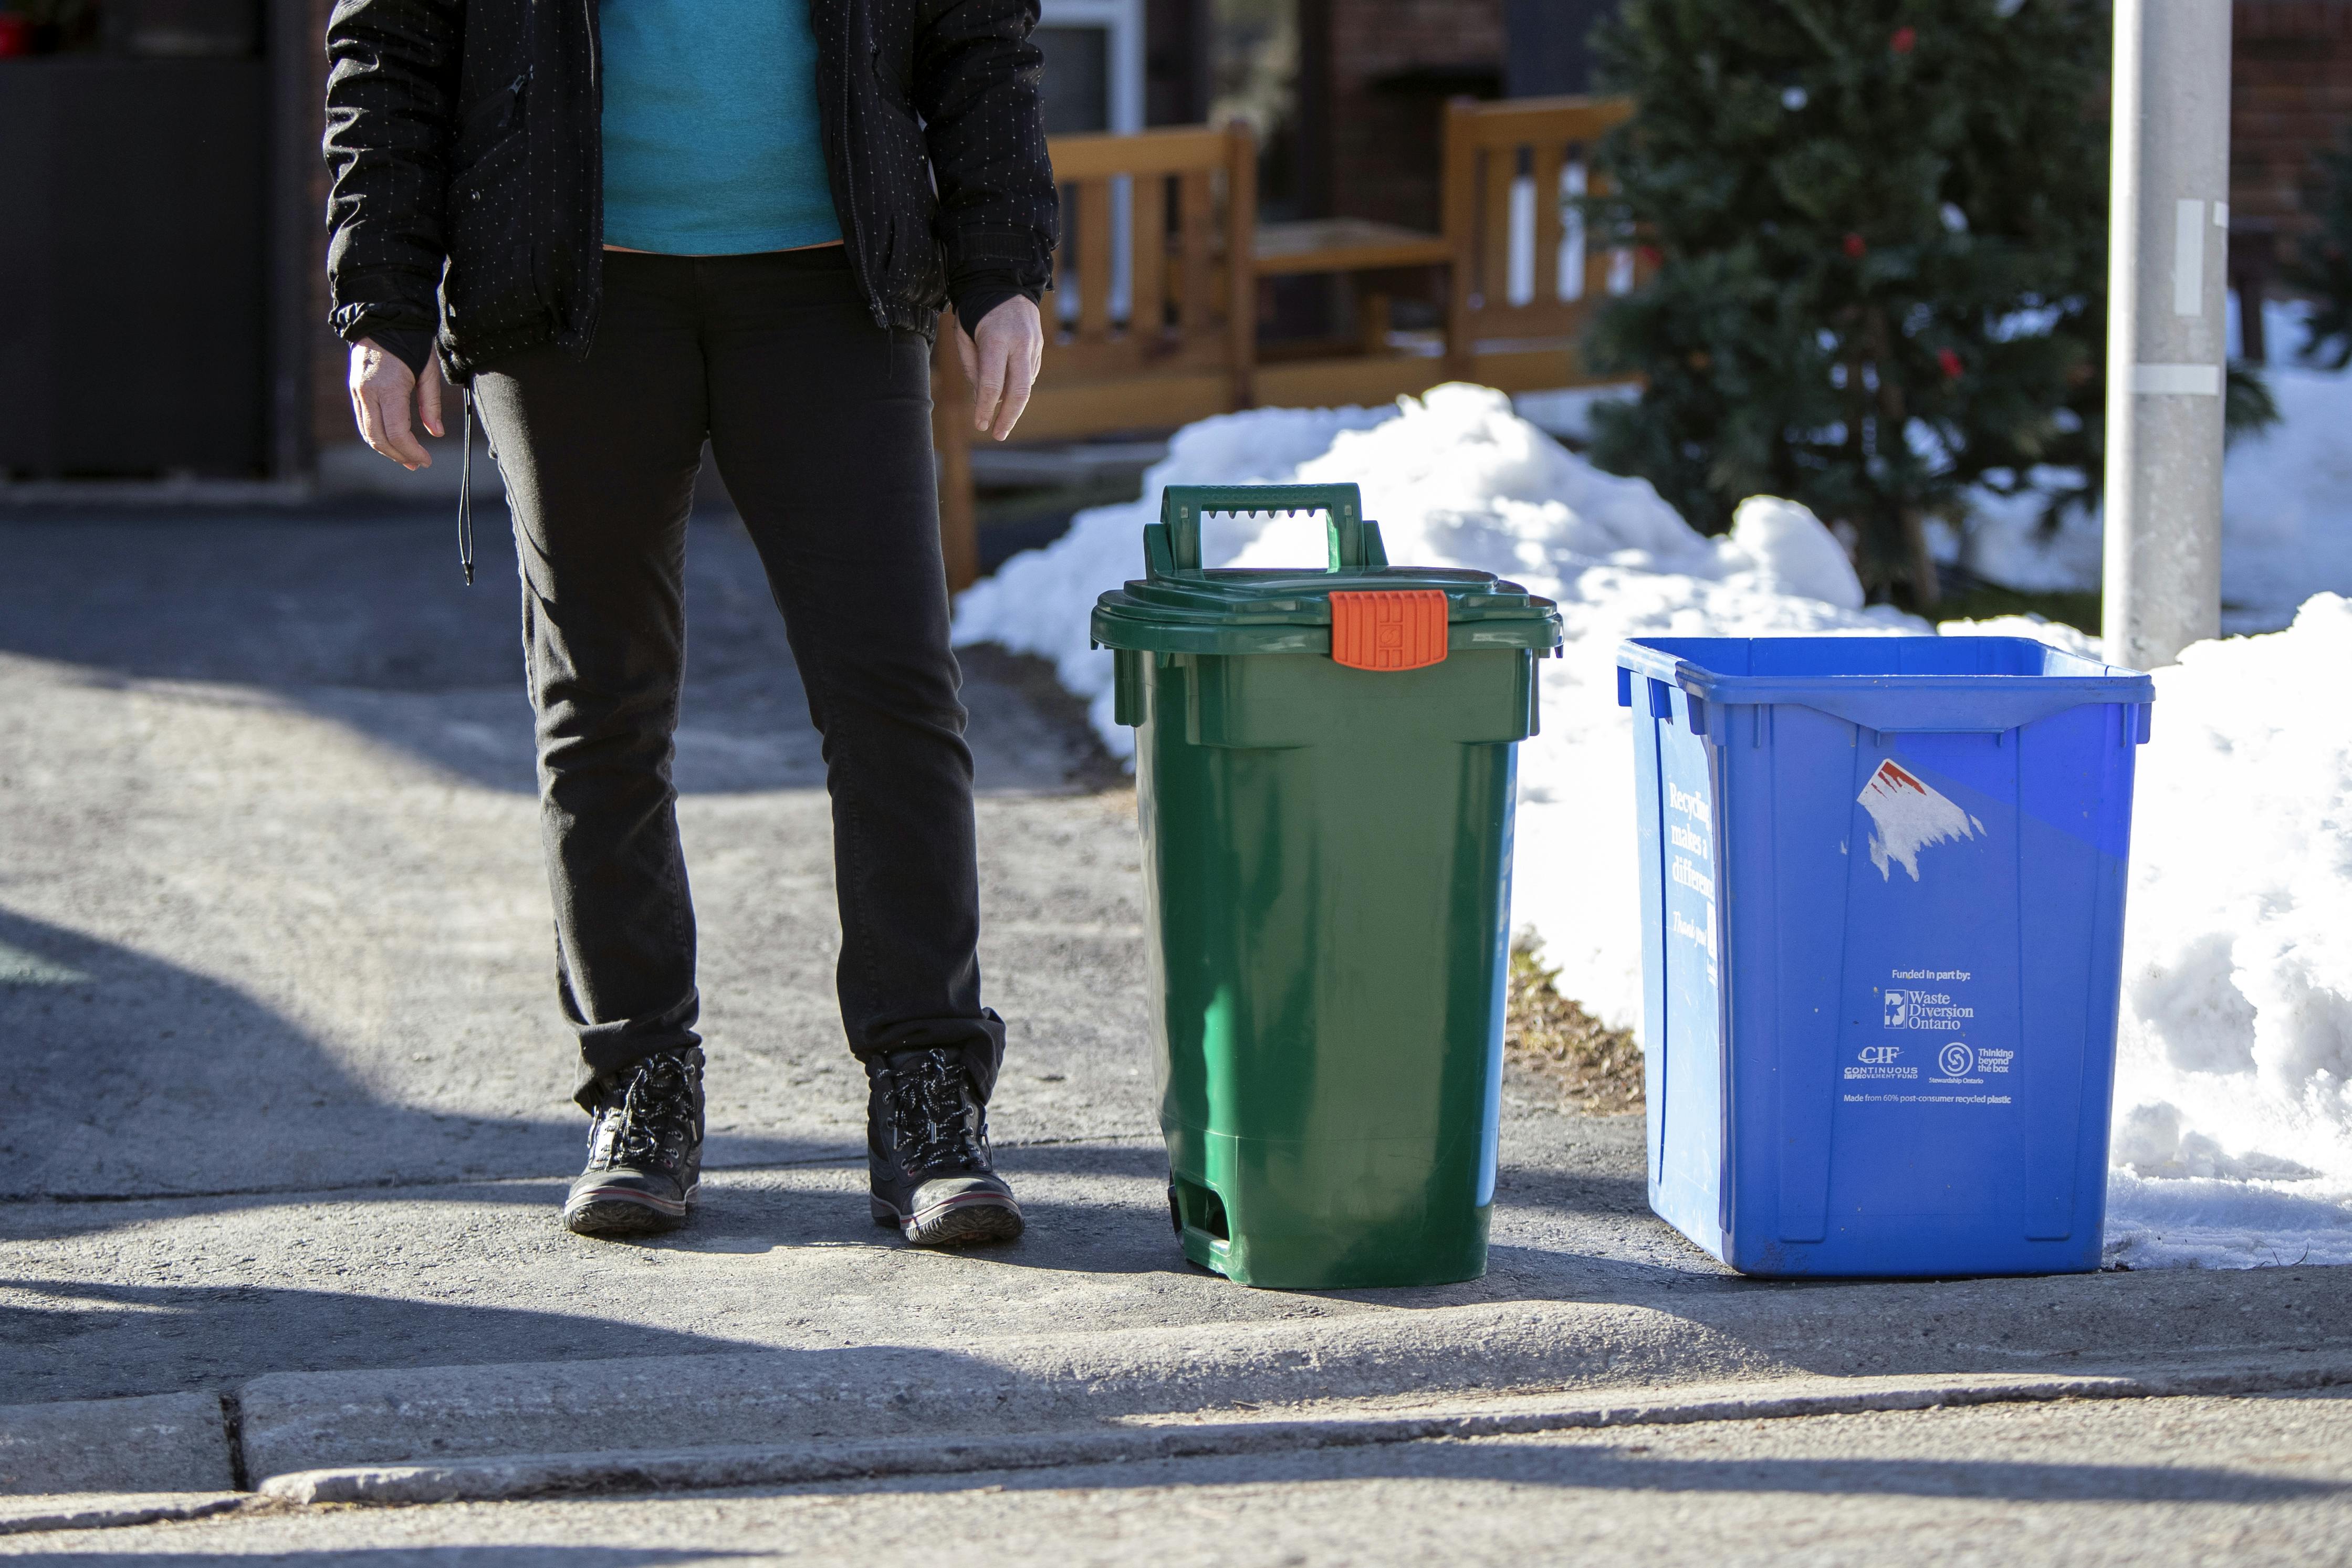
[1325, 777]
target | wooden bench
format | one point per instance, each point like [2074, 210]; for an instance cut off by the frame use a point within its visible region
[1360, 250]
[1526, 280]
[1152, 320]
[1152, 323]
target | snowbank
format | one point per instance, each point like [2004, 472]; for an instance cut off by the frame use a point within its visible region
[1038, 600]
[2233, 1115]
[2286, 507]
[2234, 1086]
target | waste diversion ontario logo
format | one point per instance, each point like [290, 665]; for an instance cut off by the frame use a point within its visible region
[1937, 1012]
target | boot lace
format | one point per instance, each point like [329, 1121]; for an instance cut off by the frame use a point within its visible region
[655, 1119]
[934, 1117]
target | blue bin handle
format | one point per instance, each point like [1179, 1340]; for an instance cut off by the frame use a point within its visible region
[1173, 545]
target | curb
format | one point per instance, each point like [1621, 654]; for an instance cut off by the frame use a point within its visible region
[292, 1422]
[529, 1476]
[779, 1417]
[776, 1399]
[109, 1510]
[157, 1442]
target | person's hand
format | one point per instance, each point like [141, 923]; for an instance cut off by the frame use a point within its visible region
[1001, 360]
[382, 392]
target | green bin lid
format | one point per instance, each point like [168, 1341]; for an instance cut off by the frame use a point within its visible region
[1178, 607]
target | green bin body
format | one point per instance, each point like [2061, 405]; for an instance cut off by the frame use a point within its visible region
[1328, 854]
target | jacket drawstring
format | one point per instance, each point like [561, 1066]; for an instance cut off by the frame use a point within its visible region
[465, 492]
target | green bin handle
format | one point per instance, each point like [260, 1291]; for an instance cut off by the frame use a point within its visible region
[1173, 545]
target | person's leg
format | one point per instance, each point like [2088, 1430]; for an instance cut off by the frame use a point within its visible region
[599, 458]
[821, 424]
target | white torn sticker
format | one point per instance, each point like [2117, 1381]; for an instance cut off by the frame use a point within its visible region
[1907, 816]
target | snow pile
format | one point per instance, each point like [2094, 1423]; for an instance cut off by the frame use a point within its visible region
[2234, 1125]
[1039, 601]
[2234, 1086]
[2286, 507]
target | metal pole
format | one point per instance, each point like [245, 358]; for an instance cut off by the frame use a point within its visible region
[2168, 233]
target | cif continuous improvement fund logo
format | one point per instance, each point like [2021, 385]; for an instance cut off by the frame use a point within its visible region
[1956, 1059]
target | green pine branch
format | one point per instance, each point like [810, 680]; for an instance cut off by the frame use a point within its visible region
[2320, 265]
[1877, 238]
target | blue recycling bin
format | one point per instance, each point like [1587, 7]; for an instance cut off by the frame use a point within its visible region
[1882, 916]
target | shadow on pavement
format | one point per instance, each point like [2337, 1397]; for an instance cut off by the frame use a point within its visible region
[1125, 1232]
[1092, 1240]
[1571, 1192]
[1630, 1469]
[367, 622]
[165, 1338]
[133, 1078]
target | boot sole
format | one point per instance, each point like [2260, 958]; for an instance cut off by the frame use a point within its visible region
[618, 1211]
[959, 1222]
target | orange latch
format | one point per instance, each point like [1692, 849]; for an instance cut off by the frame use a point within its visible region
[1403, 629]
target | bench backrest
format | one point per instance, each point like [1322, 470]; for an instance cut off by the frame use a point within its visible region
[1152, 278]
[1152, 321]
[1524, 270]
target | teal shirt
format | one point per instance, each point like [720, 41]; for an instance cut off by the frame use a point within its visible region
[712, 143]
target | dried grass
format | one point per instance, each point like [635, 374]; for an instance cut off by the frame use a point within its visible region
[1595, 1068]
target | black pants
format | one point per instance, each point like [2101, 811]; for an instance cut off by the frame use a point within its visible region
[821, 424]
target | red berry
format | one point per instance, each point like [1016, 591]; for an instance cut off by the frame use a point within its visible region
[1904, 40]
[1950, 362]
[1855, 246]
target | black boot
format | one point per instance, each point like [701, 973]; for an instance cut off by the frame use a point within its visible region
[644, 1149]
[927, 1151]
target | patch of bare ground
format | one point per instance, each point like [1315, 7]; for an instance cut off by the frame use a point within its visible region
[1551, 1041]
[1093, 768]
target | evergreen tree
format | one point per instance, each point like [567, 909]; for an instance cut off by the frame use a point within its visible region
[2321, 262]
[1875, 233]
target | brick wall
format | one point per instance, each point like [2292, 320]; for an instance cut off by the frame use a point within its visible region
[2290, 96]
[1392, 65]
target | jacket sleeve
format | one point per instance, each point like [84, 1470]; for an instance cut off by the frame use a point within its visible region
[976, 86]
[392, 90]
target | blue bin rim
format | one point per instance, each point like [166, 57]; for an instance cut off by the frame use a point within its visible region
[1892, 701]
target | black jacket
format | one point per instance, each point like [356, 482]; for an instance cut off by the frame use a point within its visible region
[466, 141]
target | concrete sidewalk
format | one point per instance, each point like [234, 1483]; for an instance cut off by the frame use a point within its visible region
[291, 1100]
[2188, 1481]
